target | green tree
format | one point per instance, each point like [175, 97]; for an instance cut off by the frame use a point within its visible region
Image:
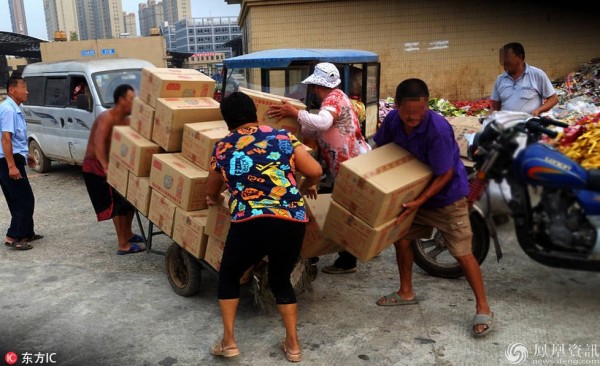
[73, 36]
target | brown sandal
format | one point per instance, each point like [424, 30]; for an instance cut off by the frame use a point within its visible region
[291, 357]
[18, 245]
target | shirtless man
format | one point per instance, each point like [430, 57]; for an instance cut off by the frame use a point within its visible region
[107, 202]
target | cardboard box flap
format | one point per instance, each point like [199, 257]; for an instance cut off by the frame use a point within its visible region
[272, 98]
[189, 103]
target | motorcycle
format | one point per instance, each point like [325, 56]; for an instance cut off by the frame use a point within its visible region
[555, 203]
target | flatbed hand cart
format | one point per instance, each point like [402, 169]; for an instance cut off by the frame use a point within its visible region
[184, 270]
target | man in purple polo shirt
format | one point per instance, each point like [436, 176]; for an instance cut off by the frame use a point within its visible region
[443, 204]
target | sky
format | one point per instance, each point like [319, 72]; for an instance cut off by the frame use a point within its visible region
[36, 20]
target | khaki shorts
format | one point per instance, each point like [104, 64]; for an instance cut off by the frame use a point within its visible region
[451, 221]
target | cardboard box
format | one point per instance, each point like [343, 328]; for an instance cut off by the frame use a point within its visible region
[138, 193]
[117, 176]
[162, 212]
[160, 82]
[315, 244]
[214, 252]
[188, 231]
[374, 186]
[463, 126]
[172, 113]
[142, 118]
[359, 238]
[219, 219]
[199, 140]
[132, 150]
[177, 178]
[263, 101]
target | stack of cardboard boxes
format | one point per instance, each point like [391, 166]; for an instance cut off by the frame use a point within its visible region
[368, 196]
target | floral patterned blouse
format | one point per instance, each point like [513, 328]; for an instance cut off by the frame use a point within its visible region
[343, 140]
[257, 164]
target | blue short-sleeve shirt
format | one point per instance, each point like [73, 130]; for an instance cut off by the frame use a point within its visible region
[525, 94]
[11, 120]
[434, 144]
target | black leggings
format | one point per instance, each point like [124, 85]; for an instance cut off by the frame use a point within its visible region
[248, 242]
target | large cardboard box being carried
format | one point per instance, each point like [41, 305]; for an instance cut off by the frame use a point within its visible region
[117, 176]
[162, 212]
[359, 238]
[315, 244]
[463, 127]
[142, 118]
[174, 83]
[138, 193]
[263, 101]
[177, 178]
[172, 114]
[219, 219]
[132, 150]
[188, 231]
[374, 186]
[199, 140]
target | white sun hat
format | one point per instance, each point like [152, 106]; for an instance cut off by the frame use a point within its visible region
[325, 74]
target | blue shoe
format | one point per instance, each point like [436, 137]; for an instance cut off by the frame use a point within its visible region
[133, 248]
[136, 239]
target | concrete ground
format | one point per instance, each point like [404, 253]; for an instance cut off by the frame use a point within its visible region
[72, 296]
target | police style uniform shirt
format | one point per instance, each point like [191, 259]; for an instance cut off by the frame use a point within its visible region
[525, 94]
[11, 119]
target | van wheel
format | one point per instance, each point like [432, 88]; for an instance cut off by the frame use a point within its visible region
[42, 163]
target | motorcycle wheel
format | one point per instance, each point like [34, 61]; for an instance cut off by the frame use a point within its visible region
[432, 256]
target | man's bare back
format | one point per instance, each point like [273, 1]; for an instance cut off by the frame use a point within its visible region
[100, 136]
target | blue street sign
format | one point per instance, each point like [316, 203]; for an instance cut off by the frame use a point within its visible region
[109, 51]
[88, 53]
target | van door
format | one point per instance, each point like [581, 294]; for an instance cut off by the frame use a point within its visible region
[79, 116]
[54, 142]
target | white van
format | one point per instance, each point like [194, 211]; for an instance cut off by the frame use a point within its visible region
[64, 99]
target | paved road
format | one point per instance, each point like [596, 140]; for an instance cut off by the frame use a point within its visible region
[73, 297]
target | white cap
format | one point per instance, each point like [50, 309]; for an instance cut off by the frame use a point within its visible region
[325, 74]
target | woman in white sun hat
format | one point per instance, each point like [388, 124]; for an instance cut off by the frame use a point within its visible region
[336, 129]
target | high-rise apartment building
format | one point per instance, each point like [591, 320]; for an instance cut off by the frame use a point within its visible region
[176, 10]
[100, 19]
[129, 24]
[17, 16]
[61, 15]
[151, 16]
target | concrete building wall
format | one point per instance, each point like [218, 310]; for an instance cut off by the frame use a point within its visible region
[17, 16]
[207, 34]
[453, 45]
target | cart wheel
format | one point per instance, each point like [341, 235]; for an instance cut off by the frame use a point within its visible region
[183, 271]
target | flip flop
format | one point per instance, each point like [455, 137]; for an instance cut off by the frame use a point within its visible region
[485, 319]
[133, 248]
[394, 299]
[292, 357]
[18, 245]
[136, 239]
[218, 350]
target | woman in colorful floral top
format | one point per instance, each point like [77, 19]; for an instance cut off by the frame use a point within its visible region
[268, 216]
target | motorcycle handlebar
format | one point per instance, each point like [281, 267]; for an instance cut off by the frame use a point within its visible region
[536, 126]
[547, 121]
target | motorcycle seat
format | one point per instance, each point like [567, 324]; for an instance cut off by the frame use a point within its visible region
[594, 180]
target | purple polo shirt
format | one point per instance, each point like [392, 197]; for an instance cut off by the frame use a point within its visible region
[433, 143]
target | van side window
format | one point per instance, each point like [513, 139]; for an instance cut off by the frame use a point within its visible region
[79, 86]
[36, 87]
[56, 92]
